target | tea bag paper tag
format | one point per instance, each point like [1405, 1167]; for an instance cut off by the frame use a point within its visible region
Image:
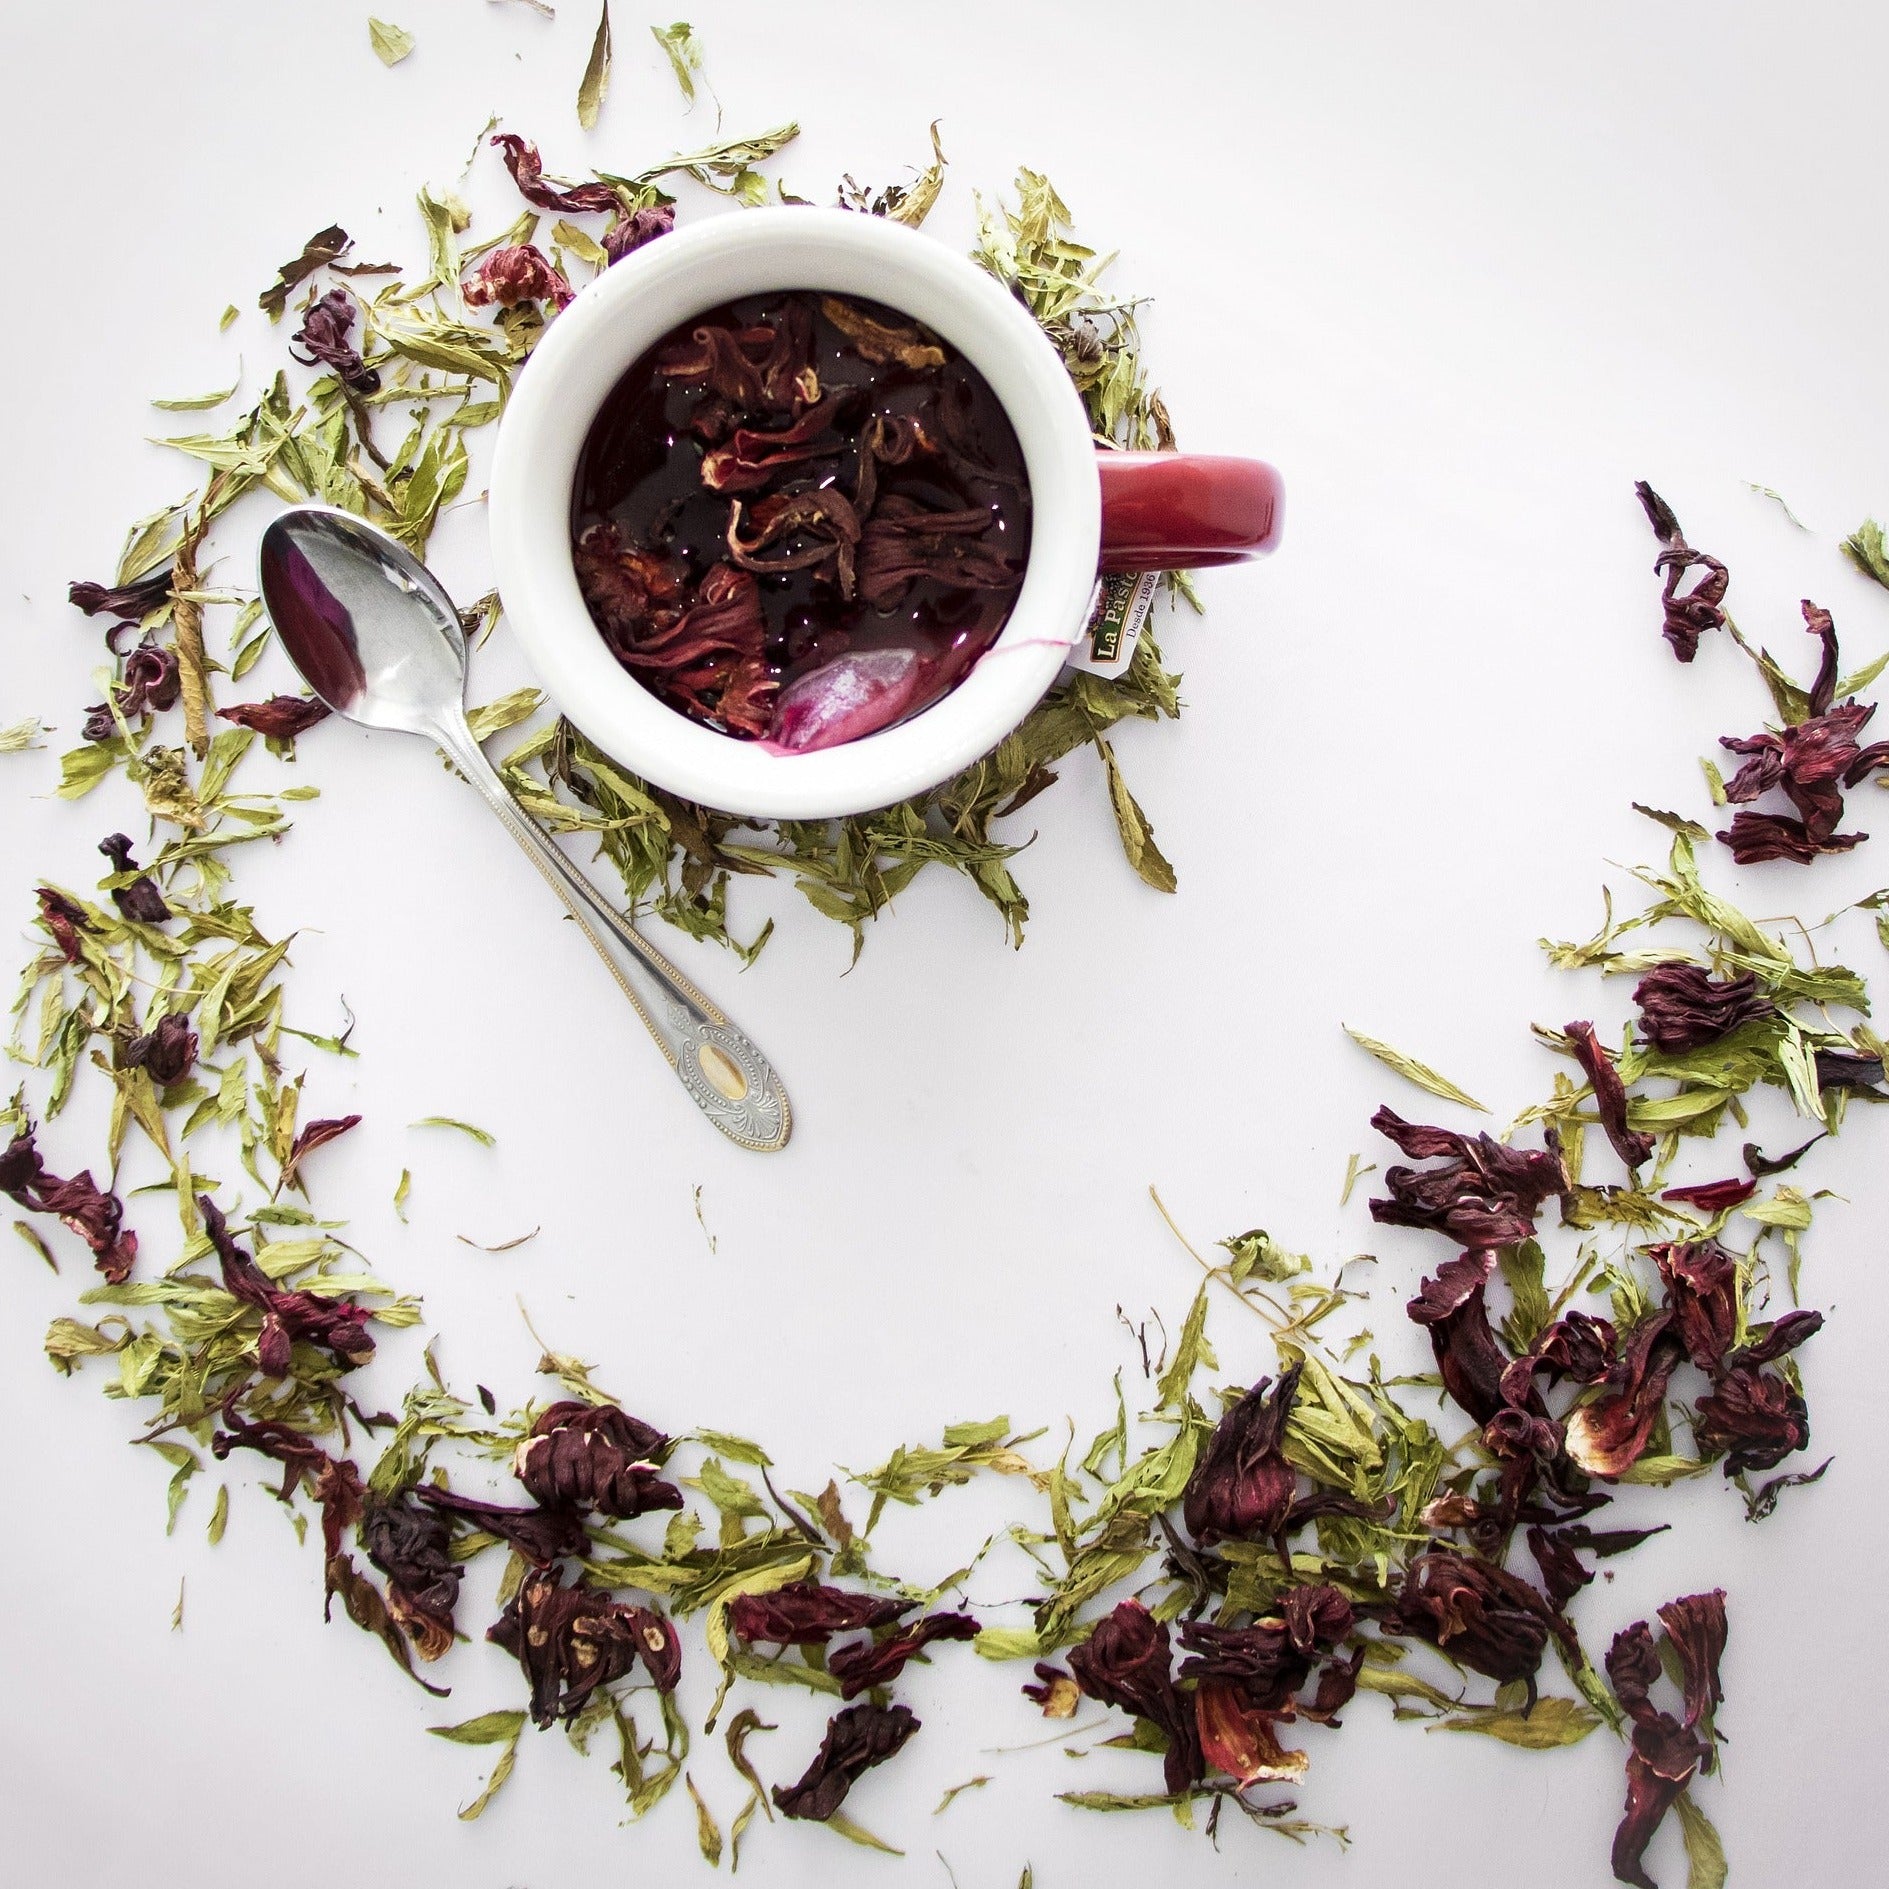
[1117, 616]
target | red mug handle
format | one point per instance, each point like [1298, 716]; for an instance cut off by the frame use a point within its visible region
[1182, 511]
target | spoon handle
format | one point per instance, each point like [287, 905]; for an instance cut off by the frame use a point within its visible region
[732, 1083]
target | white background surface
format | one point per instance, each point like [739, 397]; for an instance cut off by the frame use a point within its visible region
[1464, 273]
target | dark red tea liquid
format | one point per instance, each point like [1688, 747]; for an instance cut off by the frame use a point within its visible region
[641, 473]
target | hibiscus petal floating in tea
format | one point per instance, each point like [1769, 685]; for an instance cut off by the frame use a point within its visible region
[800, 519]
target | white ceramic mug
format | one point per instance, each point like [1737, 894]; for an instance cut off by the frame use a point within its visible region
[1164, 510]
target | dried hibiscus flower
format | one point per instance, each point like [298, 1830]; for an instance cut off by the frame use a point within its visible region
[1242, 1488]
[338, 1325]
[166, 1052]
[1237, 1737]
[316, 1135]
[871, 1663]
[1665, 1754]
[904, 542]
[95, 1216]
[140, 901]
[1472, 1363]
[1689, 614]
[1860, 1075]
[572, 1640]
[1701, 1280]
[1684, 1007]
[412, 1545]
[1607, 1437]
[856, 1740]
[1483, 1193]
[281, 718]
[1757, 1417]
[808, 1614]
[133, 600]
[1713, 1197]
[518, 272]
[595, 1456]
[323, 336]
[542, 1535]
[65, 919]
[1125, 1663]
[150, 682]
[634, 228]
[527, 169]
[1485, 1618]
[1610, 1095]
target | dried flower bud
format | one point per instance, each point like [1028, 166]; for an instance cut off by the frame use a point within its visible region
[1606, 1437]
[634, 228]
[519, 272]
[1452, 1305]
[166, 1052]
[1691, 613]
[1124, 1663]
[133, 600]
[572, 1640]
[64, 918]
[595, 1456]
[856, 1740]
[1684, 1007]
[1701, 1280]
[870, 1663]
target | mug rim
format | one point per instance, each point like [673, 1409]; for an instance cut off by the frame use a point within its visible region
[611, 323]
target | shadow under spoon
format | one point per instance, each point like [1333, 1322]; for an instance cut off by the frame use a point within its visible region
[378, 640]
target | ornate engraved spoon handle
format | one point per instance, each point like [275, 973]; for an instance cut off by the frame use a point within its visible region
[732, 1083]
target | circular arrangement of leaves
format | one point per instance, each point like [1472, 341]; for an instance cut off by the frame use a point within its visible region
[1227, 1564]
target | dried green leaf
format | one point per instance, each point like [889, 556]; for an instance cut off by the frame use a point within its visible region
[479, 1135]
[32, 1238]
[707, 1831]
[1413, 1071]
[1865, 549]
[391, 43]
[685, 54]
[323, 247]
[843, 1825]
[596, 79]
[956, 1791]
[219, 1515]
[1705, 1854]
[1552, 1722]
[198, 403]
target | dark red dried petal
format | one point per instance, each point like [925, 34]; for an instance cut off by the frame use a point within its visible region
[323, 337]
[1688, 614]
[140, 901]
[870, 1663]
[316, 1135]
[94, 1215]
[1485, 1618]
[856, 1739]
[412, 1545]
[1238, 1739]
[65, 919]
[632, 230]
[807, 1614]
[542, 1535]
[281, 718]
[1701, 1280]
[1663, 1759]
[166, 1052]
[1483, 1195]
[133, 600]
[1452, 1305]
[1610, 1095]
[527, 169]
[1316, 1617]
[1607, 1436]
[1697, 1625]
[1713, 1197]
[573, 1640]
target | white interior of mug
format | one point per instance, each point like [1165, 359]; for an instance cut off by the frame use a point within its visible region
[629, 308]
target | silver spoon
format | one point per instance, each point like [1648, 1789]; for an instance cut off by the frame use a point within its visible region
[379, 641]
